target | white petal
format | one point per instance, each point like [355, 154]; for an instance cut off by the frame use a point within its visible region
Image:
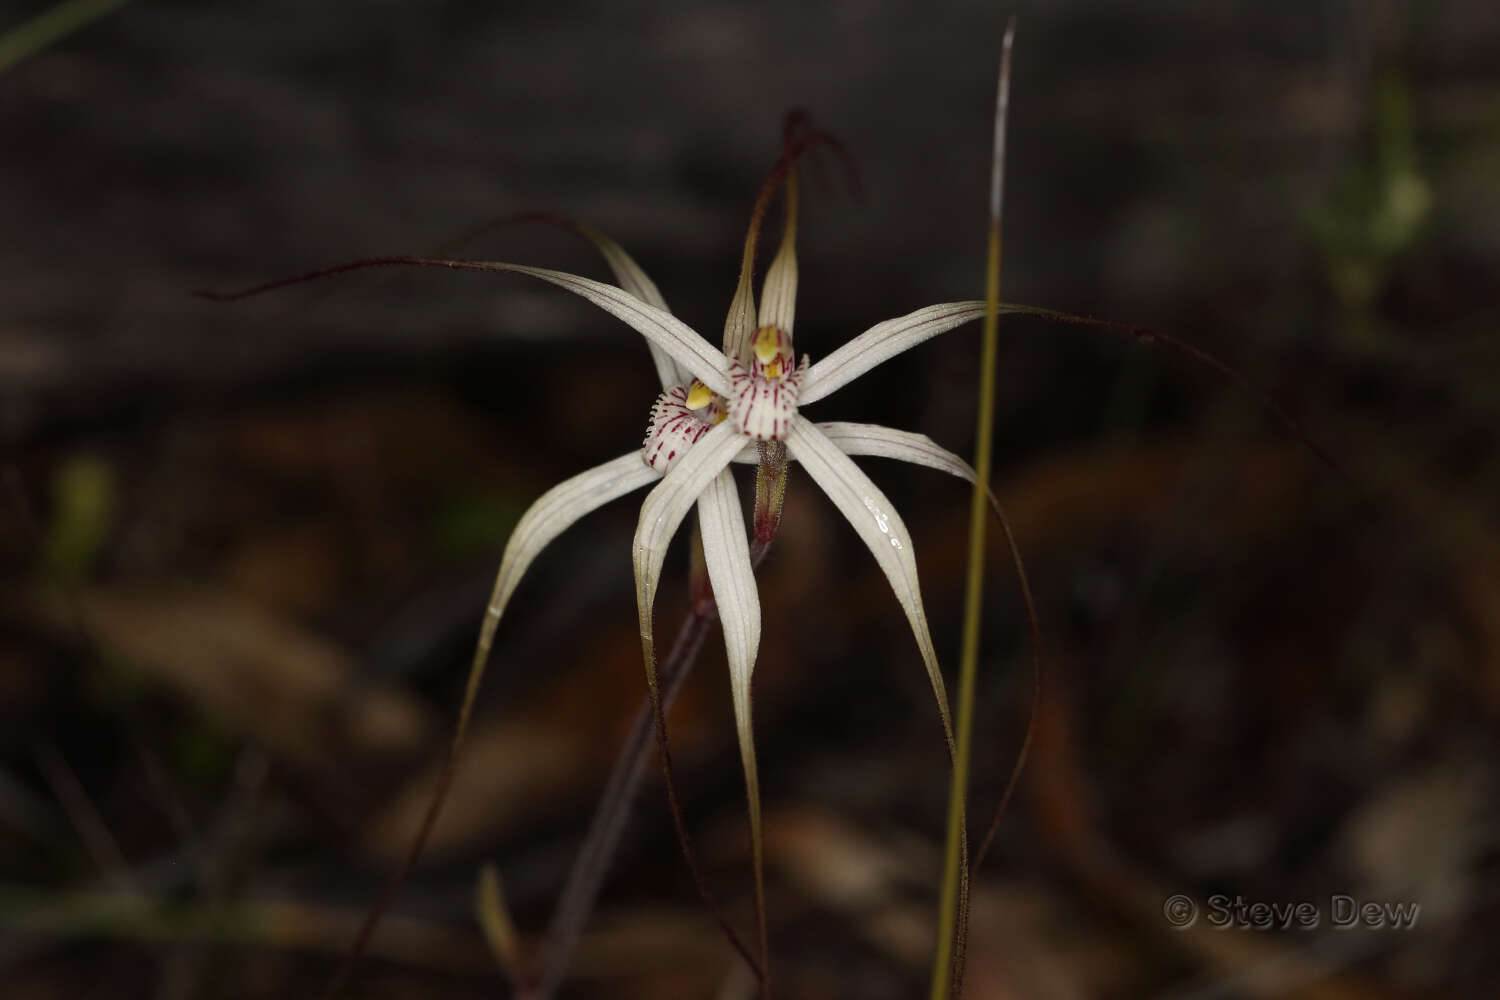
[778, 302]
[727, 553]
[875, 519]
[679, 340]
[552, 514]
[626, 271]
[882, 342]
[635, 281]
[904, 446]
[778, 296]
[739, 325]
[666, 506]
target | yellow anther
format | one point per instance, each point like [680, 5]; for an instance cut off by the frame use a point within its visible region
[698, 395]
[767, 343]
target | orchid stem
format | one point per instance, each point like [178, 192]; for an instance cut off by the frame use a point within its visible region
[948, 965]
[613, 813]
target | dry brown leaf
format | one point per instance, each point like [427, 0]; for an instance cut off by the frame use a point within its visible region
[294, 571]
[254, 673]
[1021, 942]
[504, 773]
[1256, 965]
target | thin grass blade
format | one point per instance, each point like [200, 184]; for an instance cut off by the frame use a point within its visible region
[948, 963]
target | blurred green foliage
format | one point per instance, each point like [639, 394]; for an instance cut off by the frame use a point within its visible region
[84, 508]
[1376, 210]
[473, 521]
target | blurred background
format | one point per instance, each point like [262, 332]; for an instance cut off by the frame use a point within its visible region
[245, 548]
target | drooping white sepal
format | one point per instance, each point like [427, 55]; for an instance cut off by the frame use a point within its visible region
[726, 552]
[904, 446]
[875, 520]
[668, 503]
[552, 514]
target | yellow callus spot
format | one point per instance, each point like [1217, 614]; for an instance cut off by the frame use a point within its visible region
[773, 370]
[767, 343]
[698, 395]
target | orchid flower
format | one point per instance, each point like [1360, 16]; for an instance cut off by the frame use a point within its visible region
[718, 406]
[750, 391]
[742, 403]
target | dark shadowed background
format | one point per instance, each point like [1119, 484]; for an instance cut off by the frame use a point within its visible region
[245, 547]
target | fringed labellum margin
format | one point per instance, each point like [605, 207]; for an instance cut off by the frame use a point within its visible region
[680, 416]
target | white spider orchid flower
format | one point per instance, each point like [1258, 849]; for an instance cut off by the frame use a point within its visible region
[716, 407]
[751, 391]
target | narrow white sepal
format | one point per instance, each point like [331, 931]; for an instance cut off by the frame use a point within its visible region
[875, 519]
[553, 513]
[739, 324]
[666, 506]
[778, 296]
[882, 342]
[634, 280]
[679, 340]
[727, 554]
[626, 271]
[904, 446]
